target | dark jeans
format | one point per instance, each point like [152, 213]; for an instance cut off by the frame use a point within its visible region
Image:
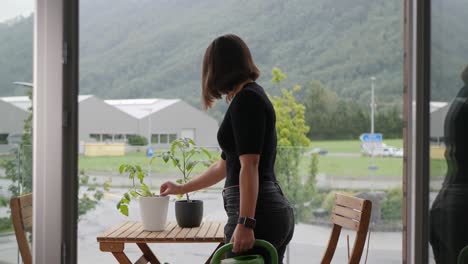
[448, 219]
[274, 215]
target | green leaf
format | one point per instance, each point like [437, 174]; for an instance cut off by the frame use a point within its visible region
[175, 161]
[166, 156]
[141, 176]
[121, 168]
[179, 196]
[145, 189]
[134, 194]
[190, 165]
[207, 153]
[123, 209]
[127, 196]
[138, 168]
[180, 181]
[190, 141]
[107, 184]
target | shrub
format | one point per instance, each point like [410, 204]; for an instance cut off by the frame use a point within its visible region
[392, 204]
[3, 201]
[5, 224]
[137, 140]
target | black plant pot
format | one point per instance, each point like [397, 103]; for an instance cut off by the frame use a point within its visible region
[189, 214]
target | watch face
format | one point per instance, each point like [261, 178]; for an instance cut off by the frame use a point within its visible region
[247, 222]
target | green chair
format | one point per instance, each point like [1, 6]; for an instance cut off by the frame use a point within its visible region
[463, 256]
[246, 259]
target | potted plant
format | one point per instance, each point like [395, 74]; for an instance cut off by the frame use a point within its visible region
[153, 208]
[185, 155]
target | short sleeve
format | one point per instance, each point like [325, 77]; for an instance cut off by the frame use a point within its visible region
[248, 117]
[223, 155]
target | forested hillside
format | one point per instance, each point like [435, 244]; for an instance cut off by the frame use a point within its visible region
[153, 48]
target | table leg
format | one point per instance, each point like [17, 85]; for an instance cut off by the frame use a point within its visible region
[121, 258]
[209, 259]
[148, 254]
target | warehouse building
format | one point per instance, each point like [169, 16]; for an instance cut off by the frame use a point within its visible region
[114, 121]
[164, 120]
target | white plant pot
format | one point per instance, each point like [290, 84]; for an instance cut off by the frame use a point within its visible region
[153, 211]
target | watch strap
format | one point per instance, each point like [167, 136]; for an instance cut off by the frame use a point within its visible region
[247, 222]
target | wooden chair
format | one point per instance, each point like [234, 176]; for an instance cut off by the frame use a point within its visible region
[351, 213]
[21, 214]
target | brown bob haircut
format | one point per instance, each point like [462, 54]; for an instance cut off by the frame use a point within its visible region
[226, 64]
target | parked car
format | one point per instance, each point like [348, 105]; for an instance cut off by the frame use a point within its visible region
[398, 153]
[320, 151]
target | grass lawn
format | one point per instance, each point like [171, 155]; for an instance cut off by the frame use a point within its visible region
[112, 164]
[350, 146]
[347, 166]
[359, 166]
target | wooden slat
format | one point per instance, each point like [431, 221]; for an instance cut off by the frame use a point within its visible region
[18, 225]
[143, 235]
[345, 222]
[204, 230]
[25, 200]
[174, 232]
[194, 231]
[347, 212]
[349, 201]
[213, 229]
[220, 233]
[136, 232]
[111, 230]
[27, 223]
[118, 232]
[183, 233]
[166, 232]
[125, 235]
[26, 211]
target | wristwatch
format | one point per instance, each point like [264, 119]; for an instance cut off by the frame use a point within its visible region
[247, 222]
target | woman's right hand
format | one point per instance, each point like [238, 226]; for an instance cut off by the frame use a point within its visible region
[170, 188]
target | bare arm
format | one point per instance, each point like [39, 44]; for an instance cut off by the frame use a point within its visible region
[214, 174]
[243, 237]
[248, 181]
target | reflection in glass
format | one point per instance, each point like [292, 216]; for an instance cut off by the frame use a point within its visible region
[449, 213]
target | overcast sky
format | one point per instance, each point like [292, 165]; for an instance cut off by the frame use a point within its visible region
[13, 8]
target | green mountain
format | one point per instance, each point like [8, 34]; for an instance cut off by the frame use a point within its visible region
[153, 48]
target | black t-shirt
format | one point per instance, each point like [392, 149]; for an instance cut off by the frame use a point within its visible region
[249, 128]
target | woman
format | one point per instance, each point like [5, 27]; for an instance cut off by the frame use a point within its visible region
[448, 214]
[254, 202]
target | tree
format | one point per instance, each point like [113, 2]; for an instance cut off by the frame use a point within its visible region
[320, 104]
[292, 139]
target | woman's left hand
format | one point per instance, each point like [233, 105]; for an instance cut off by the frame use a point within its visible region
[243, 239]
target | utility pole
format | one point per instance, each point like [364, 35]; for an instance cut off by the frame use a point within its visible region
[372, 103]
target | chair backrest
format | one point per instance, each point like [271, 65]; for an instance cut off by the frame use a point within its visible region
[351, 213]
[21, 214]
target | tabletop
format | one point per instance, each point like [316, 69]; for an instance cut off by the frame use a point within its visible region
[132, 232]
[114, 239]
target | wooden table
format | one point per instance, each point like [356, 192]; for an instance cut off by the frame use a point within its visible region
[115, 238]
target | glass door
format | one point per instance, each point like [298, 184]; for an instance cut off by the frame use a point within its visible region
[448, 189]
[16, 111]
